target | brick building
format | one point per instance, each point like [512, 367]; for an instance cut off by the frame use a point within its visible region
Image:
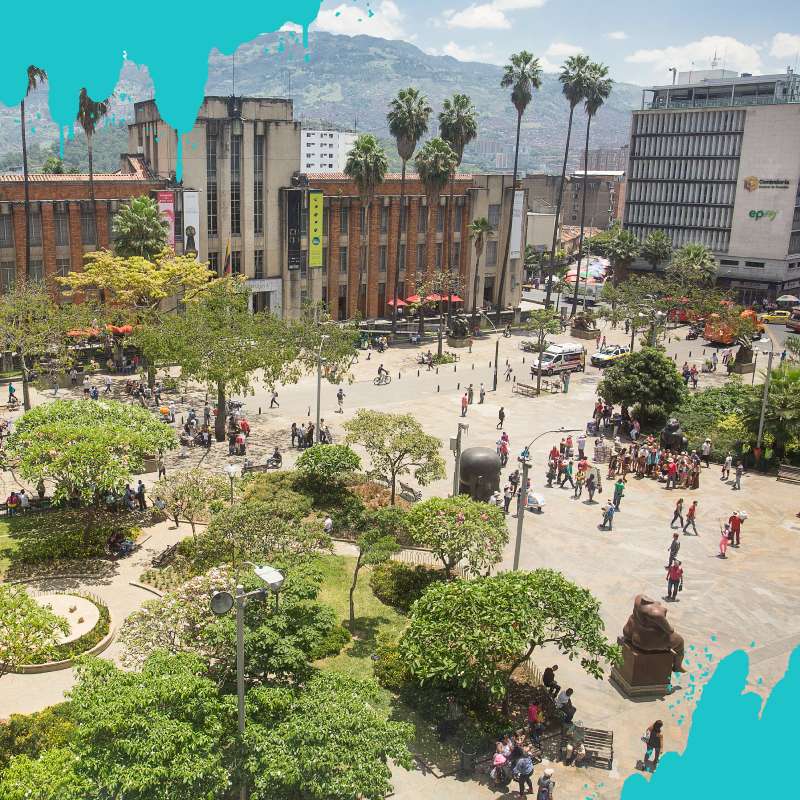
[64, 225]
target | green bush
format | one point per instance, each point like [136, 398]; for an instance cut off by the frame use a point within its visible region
[391, 669]
[399, 585]
[328, 463]
[332, 644]
[444, 358]
[32, 734]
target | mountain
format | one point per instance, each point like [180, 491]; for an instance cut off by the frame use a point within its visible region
[349, 81]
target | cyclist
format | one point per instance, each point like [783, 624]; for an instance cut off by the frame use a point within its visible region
[382, 373]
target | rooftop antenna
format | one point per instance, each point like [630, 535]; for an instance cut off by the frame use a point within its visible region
[674, 71]
[714, 61]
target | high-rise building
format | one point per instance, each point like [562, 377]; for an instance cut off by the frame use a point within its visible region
[715, 159]
[325, 150]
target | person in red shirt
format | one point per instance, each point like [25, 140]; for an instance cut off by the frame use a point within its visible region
[691, 513]
[735, 522]
[674, 580]
[244, 427]
[554, 453]
[672, 474]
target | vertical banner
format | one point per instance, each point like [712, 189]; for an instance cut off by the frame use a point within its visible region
[515, 248]
[191, 223]
[315, 229]
[293, 200]
[166, 207]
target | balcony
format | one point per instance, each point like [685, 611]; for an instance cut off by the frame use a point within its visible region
[717, 102]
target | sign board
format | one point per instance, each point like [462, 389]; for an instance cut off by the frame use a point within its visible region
[315, 229]
[515, 247]
[191, 223]
[751, 183]
[294, 198]
[761, 213]
[166, 207]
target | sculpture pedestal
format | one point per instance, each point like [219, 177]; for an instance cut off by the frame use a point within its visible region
[643, 674]
[743, 369]
[583, 333]
[459, 341]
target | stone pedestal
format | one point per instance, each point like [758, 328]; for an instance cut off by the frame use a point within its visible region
[643, 674]
[743, 369]
[582, 333]
[459, 341]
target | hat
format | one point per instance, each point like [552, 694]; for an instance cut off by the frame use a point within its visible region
[548, 772]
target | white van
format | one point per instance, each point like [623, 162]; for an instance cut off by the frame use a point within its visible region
[561, 358]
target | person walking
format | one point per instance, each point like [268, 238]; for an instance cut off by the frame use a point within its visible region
[714, 361]
[470, 394]
[705, 451]
[464, 404]
[340, 401]
[674, 548]
[273, 401]
[508, 495]
[581, 446]
[724, 539]
[545, 785]
[501, 418]
[481, 394]
[566, 475]
[140, 496]
[674, 581]
[654, 743]
[162, 470]
[597, 341]
[619, 492]
[580, 480]
[591, 485]
[737, 481]
[523, 770]
[608, 516]
[735, 527]
[207, 415]
[726, 467]
[691, 514]
[677, 514]
[509, 371]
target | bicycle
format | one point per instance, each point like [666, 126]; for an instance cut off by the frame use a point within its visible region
[382, 380]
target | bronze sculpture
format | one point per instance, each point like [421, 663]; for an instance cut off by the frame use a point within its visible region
[673, 438]
[648, 630]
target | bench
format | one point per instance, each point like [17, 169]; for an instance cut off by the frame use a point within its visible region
[165, 556]
[36, 505]
[789, 474]
[409, 493]
[599, 746]
[525, 389]
[256, 468]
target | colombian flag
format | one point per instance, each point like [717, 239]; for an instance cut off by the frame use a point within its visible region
[227, 265]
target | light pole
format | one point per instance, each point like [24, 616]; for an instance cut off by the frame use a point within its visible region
[462, 428]
[320, 362]
[764, 398]
[222, 603]
[231, 470]
[496, 350]
[523, 489]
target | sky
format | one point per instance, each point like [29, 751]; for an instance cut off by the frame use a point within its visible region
[640, 41]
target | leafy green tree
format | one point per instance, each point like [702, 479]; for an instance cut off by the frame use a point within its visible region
[87, 448]
[36, 77]
[648, 380]
[32, 734]
[541, 322]
[656, 248]
[782, 414]
[374, 547]
[523, 75]
[396, 443]
[459, 529]
[328, 464]
[408, 123]
[621, 248]
[190, 495]
[53, 166]
[51, 776]
[476, 633]
[327, 741]
[90, 112]
[479, 229]
[639, 301]
[140, 230]
[693, 265]
[27, 628]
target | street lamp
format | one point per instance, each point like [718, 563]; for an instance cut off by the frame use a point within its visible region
[232, 471]
[496, 349]
[764, 398]
[221, 603]
[320, 362]
[524, 459]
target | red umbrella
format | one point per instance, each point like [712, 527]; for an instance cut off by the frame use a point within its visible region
[454, 298]
[122, 330]
[400, 303]
[413, 299]
[81, 333]
[433, 298]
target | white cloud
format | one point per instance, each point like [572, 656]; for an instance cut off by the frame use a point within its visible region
[485, 55]
[785, 45]
[482, 17]
[517, 5]
[563, 50]
[618, 35]
[730, 52]
[386, 21]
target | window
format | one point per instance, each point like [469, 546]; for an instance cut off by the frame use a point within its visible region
[422, 220]
[236, 184]
[401, 289]
[324, 260]
[456, 254]
[382, 256]
[304, 221]
[236, 262]
[439, 252]
[728, 262]
[258, 184]
[362, 258]
[6, 231]
[457, 219]
[36, 271]
[384, 219]
[420, 257]
[342, 305]
[258, 264]
[211, 185]
[303, 297]
[494, 214]
[491, 253]
[759, 264]
[362, 220]
[36, 227]
[344, 219]
[8, 275]
[343, 260]
[62, 267]
[213, 263]
[303, 263]
[402, 263]
[88, 229]
[439, 219]
[381, 298]
[324, 295]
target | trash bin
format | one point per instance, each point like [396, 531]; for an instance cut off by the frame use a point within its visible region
[469, 755]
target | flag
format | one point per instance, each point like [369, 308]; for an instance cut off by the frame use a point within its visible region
[227, 265]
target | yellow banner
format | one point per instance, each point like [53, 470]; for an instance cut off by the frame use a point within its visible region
[315, 229]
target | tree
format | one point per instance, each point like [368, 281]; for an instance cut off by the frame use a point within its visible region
[189, 495]
[88, 448]
[647, 379]
[541, 322]
[782, 413]
[479, 229]
[90, 112]
[408, 123]
[573, 80]
[140, 230]
[51, 776]
[374, 547]
[476, 633]
[328, 465]
[396, 443]
[366, 166]
[36, 77]
[459, 529]
[640, 301]
[621, 248]
[522, 75]
[597, 90]
[793, 345]
[693, 265]
[656, 248]
[326, 741]
[27, 628]
[53, 166]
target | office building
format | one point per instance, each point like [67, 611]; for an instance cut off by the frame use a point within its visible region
[603, 189]
[715, 159]
[325, 150]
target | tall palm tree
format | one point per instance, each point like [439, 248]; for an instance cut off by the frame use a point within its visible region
[36, 77]
[90, 112]
[598, 90]
[479, 229]
[366, 165]
[458, 126]
[522, 75]
[573, 86]
[408, 123]
[435, 163]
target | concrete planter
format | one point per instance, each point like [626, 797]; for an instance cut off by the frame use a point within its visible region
[54, 666]
[453, 341]
[581, 333]
[743, 369]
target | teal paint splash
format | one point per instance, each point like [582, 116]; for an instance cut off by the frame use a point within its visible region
[728, 717]
[86, 48]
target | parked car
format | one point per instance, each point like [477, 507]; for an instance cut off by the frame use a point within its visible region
[775, 316]
[608, 354]
[560, 358]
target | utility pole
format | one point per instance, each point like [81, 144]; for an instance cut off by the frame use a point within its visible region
[462, 428]
[240, 600]
[522, 500]
[764, 399]
[496, 358]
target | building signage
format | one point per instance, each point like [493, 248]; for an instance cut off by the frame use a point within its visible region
[761, 213]
[294, 198]
[191, 223]
[751, 183]
[315, 229]
[166, 207]
[516, 224]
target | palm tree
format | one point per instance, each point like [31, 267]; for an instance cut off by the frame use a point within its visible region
[693, 265]
[573, 86]
[479, 229]
[621, 248]
[598, 90]
[366, 166]
[139, 229]
[458, 126]
[435, 163]
[36, 77]
[522, 74]
[656, 248]
[408, 123]
[90, 112]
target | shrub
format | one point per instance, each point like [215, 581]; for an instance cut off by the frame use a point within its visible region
[32, 734]
[332, 644]
[444, 358]
[391, 670]
[329, 463]
[399, 585]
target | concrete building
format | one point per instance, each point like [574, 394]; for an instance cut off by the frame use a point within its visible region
[241, 152]
[325, 150]
[609, 158]
[64, 225]
[602, 198]
[714, 159]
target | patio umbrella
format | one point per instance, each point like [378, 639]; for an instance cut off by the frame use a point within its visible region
[81, 333]
[400, 303]
[788, 298]
[434, 298]
[122, 330]
[414, 298]
[454, 298]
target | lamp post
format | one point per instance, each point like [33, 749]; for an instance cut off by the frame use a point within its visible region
[764, 399]
[462, 428]
[523, 488]
[320, 362]
[496, 350]
[221, 604]
[232, 471]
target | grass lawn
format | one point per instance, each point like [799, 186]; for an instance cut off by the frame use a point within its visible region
[5, 542]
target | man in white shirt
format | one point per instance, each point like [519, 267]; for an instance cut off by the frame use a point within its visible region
[705, 451]
[564, 704]
[327, 525]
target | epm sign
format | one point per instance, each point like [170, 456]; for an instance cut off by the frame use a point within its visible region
[760, 213]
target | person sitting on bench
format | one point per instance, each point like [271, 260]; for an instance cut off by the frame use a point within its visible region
[276, 459]
[564, 705]
[549, 675]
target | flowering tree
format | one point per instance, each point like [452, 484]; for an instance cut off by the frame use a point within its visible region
[189, 494]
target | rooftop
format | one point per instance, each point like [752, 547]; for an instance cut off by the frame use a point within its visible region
[139, 172]
[338, 177]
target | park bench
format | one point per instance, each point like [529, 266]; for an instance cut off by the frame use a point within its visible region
[409, 493]
[599, 746]
[165, 556]
[525, 389]
[36, 505]
[377, 477]
[789, 474]
[256, 468]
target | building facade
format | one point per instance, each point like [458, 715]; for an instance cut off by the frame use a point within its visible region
[715, 159]
[325, 150]
[64, 224]
[603, 190]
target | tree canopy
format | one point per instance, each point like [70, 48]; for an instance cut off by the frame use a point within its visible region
[139, 229]
[189, 494]
[328, 464]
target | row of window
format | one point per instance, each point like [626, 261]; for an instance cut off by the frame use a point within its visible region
[727, 121]
[697, 216]
[60, 224]
[8, 271]
[729, 144]
[716, 240]
[710, 169]
[687, 193]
